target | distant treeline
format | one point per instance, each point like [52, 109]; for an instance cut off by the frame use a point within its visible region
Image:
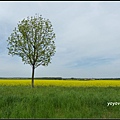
[60, 78]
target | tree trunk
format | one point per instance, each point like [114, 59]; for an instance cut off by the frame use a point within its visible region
[33, 69]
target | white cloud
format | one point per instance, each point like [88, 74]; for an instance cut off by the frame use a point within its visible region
[86, 32]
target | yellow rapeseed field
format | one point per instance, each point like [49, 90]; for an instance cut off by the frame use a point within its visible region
[65, 83]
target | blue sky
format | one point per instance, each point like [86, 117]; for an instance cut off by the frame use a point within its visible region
[87, 38]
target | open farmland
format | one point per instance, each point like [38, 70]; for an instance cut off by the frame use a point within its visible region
[64, 83]
[59, 99]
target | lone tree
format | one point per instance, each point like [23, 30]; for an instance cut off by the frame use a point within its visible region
[33, 41]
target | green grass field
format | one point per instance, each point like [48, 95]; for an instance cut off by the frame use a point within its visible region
[58, 102]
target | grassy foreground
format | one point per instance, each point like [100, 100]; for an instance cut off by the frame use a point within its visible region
[58, 102]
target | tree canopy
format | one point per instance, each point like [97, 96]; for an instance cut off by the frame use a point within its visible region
[33, 41]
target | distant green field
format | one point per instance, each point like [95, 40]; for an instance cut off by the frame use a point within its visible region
[59, 102]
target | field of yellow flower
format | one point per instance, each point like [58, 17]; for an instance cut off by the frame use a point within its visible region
[65, 83]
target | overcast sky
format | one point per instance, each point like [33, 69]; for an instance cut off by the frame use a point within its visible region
[87, 38]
